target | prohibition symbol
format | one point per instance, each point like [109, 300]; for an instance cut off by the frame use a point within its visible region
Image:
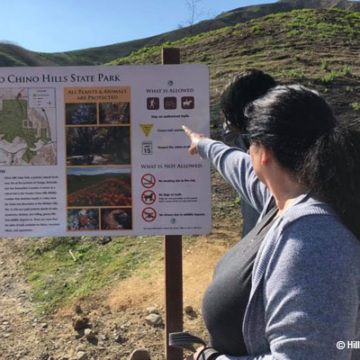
[149, 214]
[148, 181]
[148, 197]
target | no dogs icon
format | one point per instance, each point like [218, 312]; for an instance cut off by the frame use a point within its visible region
[148, 197]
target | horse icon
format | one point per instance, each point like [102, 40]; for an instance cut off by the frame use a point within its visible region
[187, 102]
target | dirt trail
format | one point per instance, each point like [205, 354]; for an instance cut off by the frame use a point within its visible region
[20, 328]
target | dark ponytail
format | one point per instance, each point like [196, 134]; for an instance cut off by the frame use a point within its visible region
[242, 90]
[332, 170]
[304, 135]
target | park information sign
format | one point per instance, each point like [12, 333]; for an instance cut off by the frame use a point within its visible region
[101, 150]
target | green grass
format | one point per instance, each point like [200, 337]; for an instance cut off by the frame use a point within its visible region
[56, 278]
[329, 77]
[325, 65]
[355, 106]
[346, 70]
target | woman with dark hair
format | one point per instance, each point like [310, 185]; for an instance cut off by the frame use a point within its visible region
[291, 288]
[242, 90]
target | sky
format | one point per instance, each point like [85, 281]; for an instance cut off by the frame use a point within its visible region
[63, 25]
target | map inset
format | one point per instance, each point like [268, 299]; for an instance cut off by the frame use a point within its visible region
[27, 127]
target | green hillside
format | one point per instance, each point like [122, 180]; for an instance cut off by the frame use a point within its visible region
[12, 55]
[104, 54]
[318, 48]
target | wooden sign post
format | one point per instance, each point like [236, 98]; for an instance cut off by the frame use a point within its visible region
[173, 262]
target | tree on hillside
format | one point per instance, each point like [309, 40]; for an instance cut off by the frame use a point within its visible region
[194, 13]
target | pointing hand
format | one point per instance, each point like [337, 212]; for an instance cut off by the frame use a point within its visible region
[194, 138]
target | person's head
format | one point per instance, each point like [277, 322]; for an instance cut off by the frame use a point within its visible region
[289, 120]
[243, 89]
[300, 129]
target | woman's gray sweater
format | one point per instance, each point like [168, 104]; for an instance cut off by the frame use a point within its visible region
[305, 297]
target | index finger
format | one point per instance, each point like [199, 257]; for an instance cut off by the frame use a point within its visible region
[187, 130]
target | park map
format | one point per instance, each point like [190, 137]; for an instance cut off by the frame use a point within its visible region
[26, 135]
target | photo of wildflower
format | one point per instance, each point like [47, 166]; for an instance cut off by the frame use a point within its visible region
[99, 187]
[80, 114]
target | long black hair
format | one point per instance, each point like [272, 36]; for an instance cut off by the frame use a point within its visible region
[299, 127]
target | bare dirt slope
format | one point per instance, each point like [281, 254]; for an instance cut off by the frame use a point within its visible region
[112, 322]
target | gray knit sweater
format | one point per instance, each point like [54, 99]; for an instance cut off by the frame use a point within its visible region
[305, 297]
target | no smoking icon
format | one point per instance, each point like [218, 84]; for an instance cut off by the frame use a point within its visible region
[148, 197]
[148, 181]
[149, 214]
